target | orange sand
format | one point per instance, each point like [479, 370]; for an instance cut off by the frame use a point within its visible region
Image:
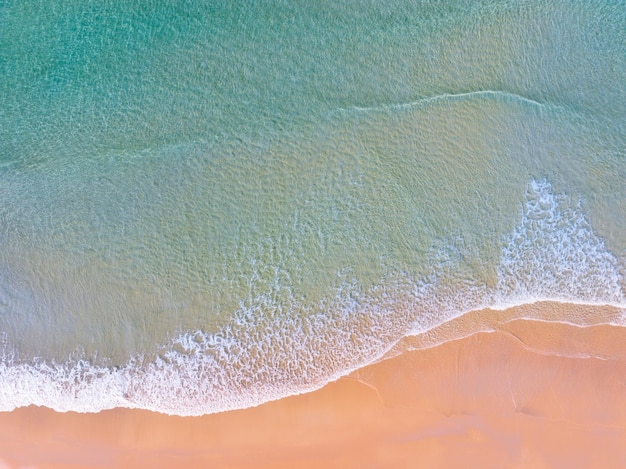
[531, 394]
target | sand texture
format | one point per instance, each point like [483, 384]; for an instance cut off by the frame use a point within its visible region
[528, 393]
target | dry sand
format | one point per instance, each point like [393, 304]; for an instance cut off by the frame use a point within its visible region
[527, 394]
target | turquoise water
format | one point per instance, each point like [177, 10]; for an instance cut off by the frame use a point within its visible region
[206, 206]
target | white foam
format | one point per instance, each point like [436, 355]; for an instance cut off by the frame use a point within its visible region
[551, 255]
[270, 350]
[577, 325]
[77, 386]
[451, 97]
[554, 254]
[264, 353]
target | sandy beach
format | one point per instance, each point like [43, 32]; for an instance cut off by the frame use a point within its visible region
[304, 235]
[528, 393]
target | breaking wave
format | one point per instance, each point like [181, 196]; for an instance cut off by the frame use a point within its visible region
[270, 350]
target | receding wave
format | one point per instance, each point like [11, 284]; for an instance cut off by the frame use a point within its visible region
[273, 349]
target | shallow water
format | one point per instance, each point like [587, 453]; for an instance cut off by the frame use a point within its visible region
[204, 207]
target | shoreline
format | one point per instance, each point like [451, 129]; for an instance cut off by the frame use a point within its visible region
[78, 386]
[491, 319]
[528, 394]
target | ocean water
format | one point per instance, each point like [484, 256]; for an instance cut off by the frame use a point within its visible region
[208, 205]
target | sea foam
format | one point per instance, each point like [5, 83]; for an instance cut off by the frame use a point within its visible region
[554, 254]
[270, 350]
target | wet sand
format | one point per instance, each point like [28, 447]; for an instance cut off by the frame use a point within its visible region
[527, 393]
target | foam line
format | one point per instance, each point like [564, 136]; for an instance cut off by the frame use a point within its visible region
[529, 302]
[496, 328]
[269, 351]
[486, 94]
[178, 383]
[565, 323]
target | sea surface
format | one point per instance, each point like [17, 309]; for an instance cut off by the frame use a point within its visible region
[207, 205]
